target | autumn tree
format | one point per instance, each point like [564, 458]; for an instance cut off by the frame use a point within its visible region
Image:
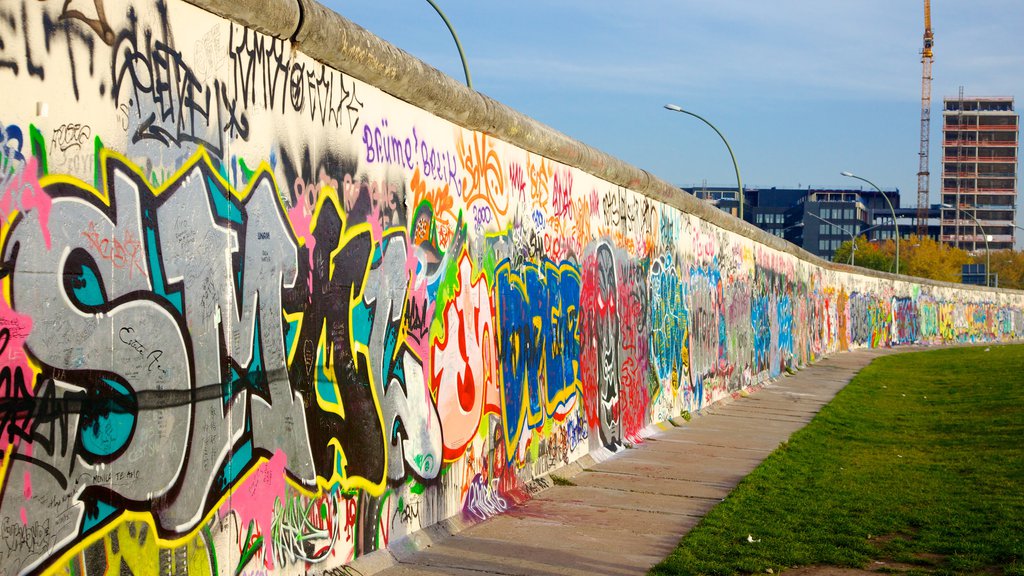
[928, 258]
[924, 257]
[868, 255]
[1008, 265]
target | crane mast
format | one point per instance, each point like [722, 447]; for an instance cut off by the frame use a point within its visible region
[926, 114]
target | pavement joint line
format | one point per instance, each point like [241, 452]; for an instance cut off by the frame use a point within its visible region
[633, 491]
[701, 482]
[772, 449]
[463, 568]
[603, 507]
[678, 496]
[680, 440]
[758, 457]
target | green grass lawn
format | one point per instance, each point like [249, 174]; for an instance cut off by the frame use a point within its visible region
[919, 460]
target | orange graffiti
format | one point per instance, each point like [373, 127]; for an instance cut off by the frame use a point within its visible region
[485, 181]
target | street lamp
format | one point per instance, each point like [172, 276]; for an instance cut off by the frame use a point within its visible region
[853, 237]
[462, 55]
[984, 235]
[891, 210]
[735, 165]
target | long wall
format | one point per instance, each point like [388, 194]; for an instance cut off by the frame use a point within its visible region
[260, 315]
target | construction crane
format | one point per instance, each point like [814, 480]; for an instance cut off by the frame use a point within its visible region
[926, 121]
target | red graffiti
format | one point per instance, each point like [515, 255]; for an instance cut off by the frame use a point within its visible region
[124, 253]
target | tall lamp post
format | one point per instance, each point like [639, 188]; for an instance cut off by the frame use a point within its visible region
[735, 165]
[891, 211]
[462, 55]
[853, 237]
[984, 235]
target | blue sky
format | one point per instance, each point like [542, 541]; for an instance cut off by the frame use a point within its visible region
[803, 89]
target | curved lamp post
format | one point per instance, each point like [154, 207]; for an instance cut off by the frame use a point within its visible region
[984, 235]
[853, 237]
[735, 165]
[891, 210]
[462, 55]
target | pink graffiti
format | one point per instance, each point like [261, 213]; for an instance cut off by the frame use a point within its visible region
[419, 308]
[16, 376]
[307, 196]
[635, 397]
[253, 499]
[517, 179]
[23, 193]
[705, 245]
[562, 194]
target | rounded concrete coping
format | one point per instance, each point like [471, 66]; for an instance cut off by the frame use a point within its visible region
[327, 37]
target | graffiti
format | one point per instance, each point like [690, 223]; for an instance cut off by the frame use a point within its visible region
[124, 253]
[740, 324]
[785, 343]
[669, 318]
[538, 350]
[265, 76]
[483, 501]
[708, 340]
[146, 380]
[904, 322]
[306, 531]
[870, 320]
[410, 152]
[635, 338]
[68, 136]
[132, 548]
[170, 105]
[563, 195]
[600, 344]
[464, 362]
[517, 180]
[411, 422]
[539, 170]
[31, 40]
[12, 157]
[483, 179]
[22, 194]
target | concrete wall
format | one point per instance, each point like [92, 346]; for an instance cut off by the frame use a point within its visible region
[264, 314]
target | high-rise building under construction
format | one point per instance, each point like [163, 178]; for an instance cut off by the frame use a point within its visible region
[979, 172]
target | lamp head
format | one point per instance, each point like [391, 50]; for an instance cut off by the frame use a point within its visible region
[847, 173]
[673, 107]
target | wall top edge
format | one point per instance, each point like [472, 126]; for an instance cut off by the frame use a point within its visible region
[328, 37]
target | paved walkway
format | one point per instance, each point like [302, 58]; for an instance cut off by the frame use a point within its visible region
[628, 512]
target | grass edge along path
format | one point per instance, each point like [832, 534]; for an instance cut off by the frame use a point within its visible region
[918, 461]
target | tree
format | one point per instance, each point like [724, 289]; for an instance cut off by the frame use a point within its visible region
[1008, 265]
[926, 258]
[869, 255]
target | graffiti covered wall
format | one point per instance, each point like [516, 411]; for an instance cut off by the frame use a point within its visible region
[261, 317]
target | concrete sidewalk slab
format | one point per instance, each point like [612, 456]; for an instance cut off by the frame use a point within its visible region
[627, 512]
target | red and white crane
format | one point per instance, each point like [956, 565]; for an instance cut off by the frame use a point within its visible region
[926, 120]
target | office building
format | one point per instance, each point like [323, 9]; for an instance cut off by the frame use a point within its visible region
[819, 219]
